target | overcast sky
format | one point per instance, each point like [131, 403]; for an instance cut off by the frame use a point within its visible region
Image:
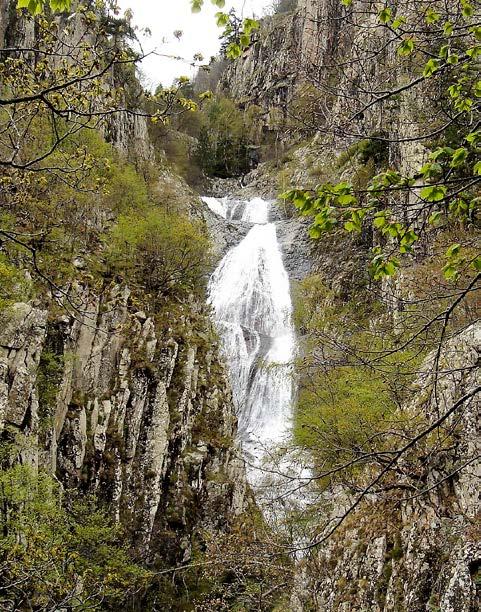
[200, 33]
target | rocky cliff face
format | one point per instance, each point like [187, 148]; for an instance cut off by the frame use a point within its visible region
[400, 552]
[415, 552]
[139, 415]
[131, 407]
[291, 48]
[267, 72]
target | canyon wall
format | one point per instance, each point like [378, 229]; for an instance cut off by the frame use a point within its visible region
[115, 400]
[397, 552]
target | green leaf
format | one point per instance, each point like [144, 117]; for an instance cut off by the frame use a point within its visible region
[455, 91]
[398, 22]
[444, 51]
[477, 168]
[60, 5]
[453, 250]
[431, 170]
[406, 47]
[464, 104]
[432, 16]
[459, 157]
[34, 7]
[385, 15]
[222, 19]
[342, 188]
[346, 199]
[448, 28]
[233, 51]
[431, 67]
[245, 40]
[459, 207]
[450, 272]
[249, 25]
[476, 30]
[355, 222]
[474, 52]
[476, 264]
[219, 3]
[390, 267]
[474, 138]
[379, 222]
[434, 193]
[393, 229]
[467, 9]
[441, 152]
[196, 5]
[408, 239]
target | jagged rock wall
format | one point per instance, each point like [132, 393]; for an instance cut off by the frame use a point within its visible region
[133, 408]
[408, 552]
[142, 416]
[290, 49]
[267, 72]
[317, 47]
[420, 554]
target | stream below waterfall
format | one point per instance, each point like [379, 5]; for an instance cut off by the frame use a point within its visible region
[250, 295]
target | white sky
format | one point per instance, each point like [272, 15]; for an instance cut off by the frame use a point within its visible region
[200, 33]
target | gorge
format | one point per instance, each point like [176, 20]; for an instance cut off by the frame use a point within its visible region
[240, 315]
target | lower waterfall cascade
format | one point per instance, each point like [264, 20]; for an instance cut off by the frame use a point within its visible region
[250, 295]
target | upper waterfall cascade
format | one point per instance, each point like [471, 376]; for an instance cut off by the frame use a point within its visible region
[250, 295]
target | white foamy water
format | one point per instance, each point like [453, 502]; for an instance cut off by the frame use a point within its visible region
[251, 211]
[250, 295]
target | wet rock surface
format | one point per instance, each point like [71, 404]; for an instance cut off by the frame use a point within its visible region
[292, 232]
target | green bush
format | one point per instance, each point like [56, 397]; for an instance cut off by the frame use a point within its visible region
[14, 287]
[163, 254]
[54, 557]
[346, 405]
[126, 189]
[339, 410]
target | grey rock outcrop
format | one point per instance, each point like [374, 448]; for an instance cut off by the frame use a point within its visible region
[142, 417]
[422, 552]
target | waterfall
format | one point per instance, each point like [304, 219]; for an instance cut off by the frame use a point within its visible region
[250, 295]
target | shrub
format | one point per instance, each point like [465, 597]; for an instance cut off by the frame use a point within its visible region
[14, 286]
[351, 389]
[163, 254]
[338, 410]
[53, 557]
[126, 189]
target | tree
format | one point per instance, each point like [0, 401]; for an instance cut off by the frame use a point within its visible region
[165, 254]
[55, 553]
[420, 227]
[222, 148]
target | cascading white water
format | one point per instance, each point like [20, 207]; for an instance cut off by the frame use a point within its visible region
[250, 295]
